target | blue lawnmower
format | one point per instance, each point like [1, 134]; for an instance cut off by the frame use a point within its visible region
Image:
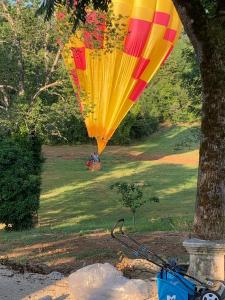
[172, 282]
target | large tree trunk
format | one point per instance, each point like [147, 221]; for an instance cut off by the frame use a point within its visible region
[207, 35]
[210, 204]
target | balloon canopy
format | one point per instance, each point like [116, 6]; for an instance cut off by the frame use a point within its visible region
[110, 65]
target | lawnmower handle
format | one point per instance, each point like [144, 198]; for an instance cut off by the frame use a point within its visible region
[118, 224]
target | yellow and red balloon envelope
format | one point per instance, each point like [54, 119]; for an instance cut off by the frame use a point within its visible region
[109, 82]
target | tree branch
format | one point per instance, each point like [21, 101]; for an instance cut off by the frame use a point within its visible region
[5, 97]
[45, 87]
[53, 66]
[46, 48]
[5, 14]
[57, 94]
[8, 87]
[195, 22]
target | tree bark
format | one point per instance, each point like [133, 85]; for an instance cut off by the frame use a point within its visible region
[208, 38]
[210, 204]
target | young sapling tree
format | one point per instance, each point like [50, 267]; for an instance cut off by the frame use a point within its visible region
[132, 196]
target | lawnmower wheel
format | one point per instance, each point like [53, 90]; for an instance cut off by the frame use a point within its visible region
[208, 295]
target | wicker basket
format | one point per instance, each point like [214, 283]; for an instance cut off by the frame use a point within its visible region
[95, 166]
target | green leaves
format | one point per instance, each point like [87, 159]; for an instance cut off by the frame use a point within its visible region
[210, 7]
[175, 94]
[47, 7]
[52, 111]
[132, 195]
[20, 168]
[76, 8]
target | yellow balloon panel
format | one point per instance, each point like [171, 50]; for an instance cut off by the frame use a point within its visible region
[109, 70]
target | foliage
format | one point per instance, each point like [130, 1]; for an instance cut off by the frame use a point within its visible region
[210, 7]
[136, 125]
[175, 92]
[34, 87]
[47, 105]
[144, 125]
[76, 8]
[189, 141]
[132, 196]
[20, 168]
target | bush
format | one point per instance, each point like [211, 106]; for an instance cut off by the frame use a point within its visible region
[20, 168]
[122, 135]
[132, 196]
[144, 126]
[190, 139]
[73, 131]
[135, 127]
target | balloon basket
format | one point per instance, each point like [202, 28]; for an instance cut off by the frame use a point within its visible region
[94, 166]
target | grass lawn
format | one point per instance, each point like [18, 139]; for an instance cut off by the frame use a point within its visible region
[77, 201]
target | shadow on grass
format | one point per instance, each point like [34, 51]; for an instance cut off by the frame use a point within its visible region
[172, 140]
[87, 203]
[72, 251]
[76, 202]
[167, 141]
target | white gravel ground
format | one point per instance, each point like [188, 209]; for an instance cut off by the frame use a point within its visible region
[32, 286]
[15, 286]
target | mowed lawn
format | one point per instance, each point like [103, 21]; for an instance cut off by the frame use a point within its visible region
[75, 200]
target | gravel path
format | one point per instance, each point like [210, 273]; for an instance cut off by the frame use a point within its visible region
[32, 286]
[16, 286]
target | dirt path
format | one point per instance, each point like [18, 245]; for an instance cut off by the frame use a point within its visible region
[77, 152]
[68, 253]
[23, 285]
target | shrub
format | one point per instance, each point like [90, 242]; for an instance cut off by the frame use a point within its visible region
[134, 127]
[189, 140]
[132, 196]
[144, 126]
[72, 130]
[20, 168]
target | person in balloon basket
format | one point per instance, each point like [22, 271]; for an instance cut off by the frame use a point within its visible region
[94, 159]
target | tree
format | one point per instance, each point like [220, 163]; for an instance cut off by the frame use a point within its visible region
[35, 91]
[174, 94]
[204, 22]
[20, 50]
[76, 8]
[33, 83]
[30, 80]
[132, 196]
[20, 167]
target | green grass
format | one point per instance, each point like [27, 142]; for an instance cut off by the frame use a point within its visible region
[80, 200]
[76, 200]
[166, 141]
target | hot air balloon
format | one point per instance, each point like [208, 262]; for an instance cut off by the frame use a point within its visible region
[109, 70]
